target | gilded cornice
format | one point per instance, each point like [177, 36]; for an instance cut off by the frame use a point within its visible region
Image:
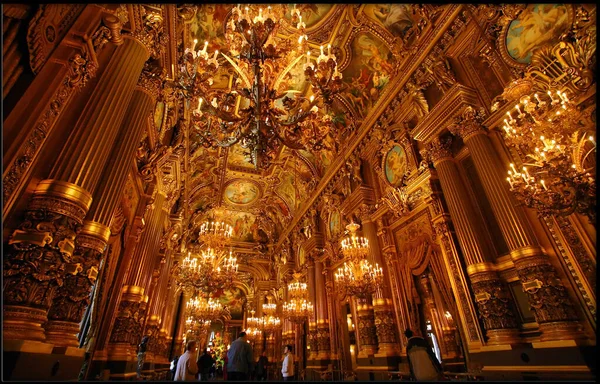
[315, 242]
[382, 109]
[451, 106]
[361, 195]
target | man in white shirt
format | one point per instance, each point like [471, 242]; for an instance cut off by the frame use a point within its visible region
[187, 369]
[287, 369]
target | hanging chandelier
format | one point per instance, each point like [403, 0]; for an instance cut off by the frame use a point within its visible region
[205, 310]
[272, 324]
[298, 308]
[258, 110]
[215, 234]
[253, 321]
[207, 273]
[357, 277]
[557, 176]
[550, 129]
[196, 327]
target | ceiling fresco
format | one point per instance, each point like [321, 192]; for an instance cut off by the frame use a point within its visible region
[261, 203]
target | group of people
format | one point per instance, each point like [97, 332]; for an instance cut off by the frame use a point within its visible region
[239, 363]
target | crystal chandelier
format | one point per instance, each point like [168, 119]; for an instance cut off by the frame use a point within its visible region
[357, 277]
[205, 274]
[298, 308]
[259, 111]
[558, 173]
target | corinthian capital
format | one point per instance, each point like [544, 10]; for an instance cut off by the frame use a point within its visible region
[468, 123]
[149, 30]
[438, 150]
[150, 82]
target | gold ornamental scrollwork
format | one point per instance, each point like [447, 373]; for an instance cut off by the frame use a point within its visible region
[439, 149]
[150, 31]
[468, 123]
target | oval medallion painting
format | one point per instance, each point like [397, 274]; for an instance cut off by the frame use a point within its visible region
[334, 223]
[395, 165]
[241, 192]
[536, 25]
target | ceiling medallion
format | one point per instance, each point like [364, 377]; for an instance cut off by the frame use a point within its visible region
[258, 110]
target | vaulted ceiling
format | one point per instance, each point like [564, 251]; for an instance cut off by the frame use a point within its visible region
[369, 40]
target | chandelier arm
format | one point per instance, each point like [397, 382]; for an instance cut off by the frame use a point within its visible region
[285, 72]
[238, 70]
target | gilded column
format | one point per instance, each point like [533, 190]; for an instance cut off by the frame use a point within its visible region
[367, 332]
[127, 329]
[382, 305]
[72, 298]
[547, 296]
[44, 243]
[312, 297]
[494, 301]
[322, 315]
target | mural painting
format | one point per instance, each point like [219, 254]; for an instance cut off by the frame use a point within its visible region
[287, 190]
[396, 18]
[368, 73]
[335, 224]
[536, 25]
[311, 13]
[237, 156]
[244, 225]
[233, 299]
[159, 113]
[241, 192]
[395, 165]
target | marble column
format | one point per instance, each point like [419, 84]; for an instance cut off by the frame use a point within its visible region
[46, 238]
[548, 298]
[494, 301]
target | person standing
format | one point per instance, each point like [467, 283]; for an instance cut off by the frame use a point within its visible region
[205, 363]
[187, 369]
[261, 367]
[287, 368]
[239, 359]
[423, 364]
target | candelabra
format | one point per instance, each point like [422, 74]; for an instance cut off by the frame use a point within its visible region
[555, 141]
[213, 270]
[298, 308]
[357, 277]
[269, 309]
[258, 110]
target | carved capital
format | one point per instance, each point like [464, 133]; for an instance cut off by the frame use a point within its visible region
[150, 83]
[469, 123]
[438, 150]
[494, 302]
[547, 295]
[149, 30]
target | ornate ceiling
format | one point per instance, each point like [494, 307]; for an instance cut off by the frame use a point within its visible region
[369, 40]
